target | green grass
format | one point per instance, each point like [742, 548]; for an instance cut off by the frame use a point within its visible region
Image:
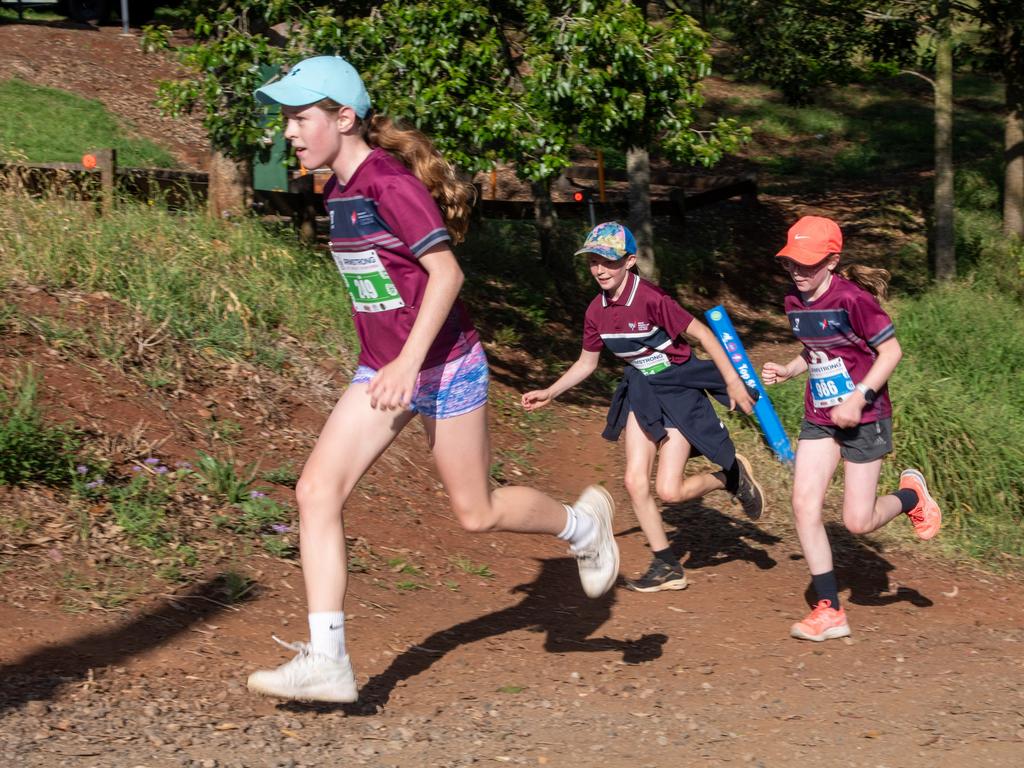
[42, 125]
[31, 450]
[857, 132]
[228, 289]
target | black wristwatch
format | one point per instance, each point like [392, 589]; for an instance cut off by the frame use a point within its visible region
[868, 392]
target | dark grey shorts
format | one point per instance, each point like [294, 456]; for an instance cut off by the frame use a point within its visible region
[861, 444]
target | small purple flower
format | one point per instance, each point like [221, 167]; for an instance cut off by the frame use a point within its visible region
[257, 495]
[161, 470]
[82, 469]
[152, 460]
[136, 468]
[280, 528]
[95, 483]
[183, 465]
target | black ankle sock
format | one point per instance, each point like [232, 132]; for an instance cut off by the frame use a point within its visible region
[666, 556]
[730, 477]
[827, 587]
[908, 498]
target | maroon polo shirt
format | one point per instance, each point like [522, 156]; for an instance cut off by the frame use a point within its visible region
[382, 221]
[642, 326]
[846, 323]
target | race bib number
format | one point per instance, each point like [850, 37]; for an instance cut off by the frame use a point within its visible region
[369, 284]
[830, 382]
[651, 364]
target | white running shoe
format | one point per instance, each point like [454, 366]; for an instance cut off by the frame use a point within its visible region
[308, 677]
[599, 561]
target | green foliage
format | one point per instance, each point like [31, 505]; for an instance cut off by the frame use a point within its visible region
[222, 480]
[227, 289]
[43, 125]
[803, 45]
[282, 475]
[466, 565]
[31, 450]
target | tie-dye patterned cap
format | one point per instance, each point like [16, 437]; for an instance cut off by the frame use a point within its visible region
[610, 240]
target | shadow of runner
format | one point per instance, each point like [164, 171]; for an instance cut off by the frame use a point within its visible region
[553, 604]
[713, 538]
[859, 566]
[42, 673]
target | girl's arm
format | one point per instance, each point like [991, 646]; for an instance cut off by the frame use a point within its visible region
[848, 412]
[773, 373]
[578, 371]
[393, 385]
[739, 395]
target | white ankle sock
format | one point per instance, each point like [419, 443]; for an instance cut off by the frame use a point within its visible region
[579, 529]
[327, 633]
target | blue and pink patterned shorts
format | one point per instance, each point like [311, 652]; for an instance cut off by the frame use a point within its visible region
[450, 389]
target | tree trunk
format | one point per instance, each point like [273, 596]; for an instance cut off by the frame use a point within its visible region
[1013, 185]
[558, 265]
[229, 194]
[638, 169]
[945, 246]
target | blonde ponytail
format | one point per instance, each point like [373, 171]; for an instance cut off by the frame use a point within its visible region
[874, 280]
[454, 197]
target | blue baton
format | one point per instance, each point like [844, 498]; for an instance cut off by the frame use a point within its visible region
[774, 434]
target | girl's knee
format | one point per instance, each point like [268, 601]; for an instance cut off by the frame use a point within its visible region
[806, 510]
[670, 492]
[313, 496]
[475, 518]
[638, 485]
[857, 524]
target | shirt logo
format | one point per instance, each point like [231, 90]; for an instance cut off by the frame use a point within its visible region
[796, 323]
[824, 324]
[632, 326]
[643, 326]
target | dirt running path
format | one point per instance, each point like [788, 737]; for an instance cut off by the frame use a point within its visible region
[522, 669]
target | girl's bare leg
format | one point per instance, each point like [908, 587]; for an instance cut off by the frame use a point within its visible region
[816, 462]
[862, 511]
[640, 455]
[672, 483]
[461, 448]
[462, 451]
[354, 436]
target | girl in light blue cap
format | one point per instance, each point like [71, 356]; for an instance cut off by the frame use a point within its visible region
[396, 207]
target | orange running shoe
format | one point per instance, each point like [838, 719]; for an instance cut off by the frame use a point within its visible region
[926, 516]
[823, 623]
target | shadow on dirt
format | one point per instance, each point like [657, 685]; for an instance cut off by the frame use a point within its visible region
[42, 674]
[860, 567]
[705, 537]
[553, 604]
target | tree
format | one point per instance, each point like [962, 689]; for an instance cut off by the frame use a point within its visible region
[632, 83]
[1002, 24]
[780, 41]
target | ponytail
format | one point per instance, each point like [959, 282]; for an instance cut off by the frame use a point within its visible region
[454, 197]
[874, 280]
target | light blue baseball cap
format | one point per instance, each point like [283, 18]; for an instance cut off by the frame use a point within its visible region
[321, 77]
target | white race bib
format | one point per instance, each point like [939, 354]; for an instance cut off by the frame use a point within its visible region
[830, 382]
[651, 364]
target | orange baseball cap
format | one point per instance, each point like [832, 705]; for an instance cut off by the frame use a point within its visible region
[811, 239]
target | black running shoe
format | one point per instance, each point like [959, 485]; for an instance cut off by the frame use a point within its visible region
[660, 576]
[748, 492]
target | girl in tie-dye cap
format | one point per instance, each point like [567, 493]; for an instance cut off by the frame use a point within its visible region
[661, 403]
[396, 207]
[850, 351]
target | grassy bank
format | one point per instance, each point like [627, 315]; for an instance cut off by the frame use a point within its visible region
[232, 288]
[44, 125]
